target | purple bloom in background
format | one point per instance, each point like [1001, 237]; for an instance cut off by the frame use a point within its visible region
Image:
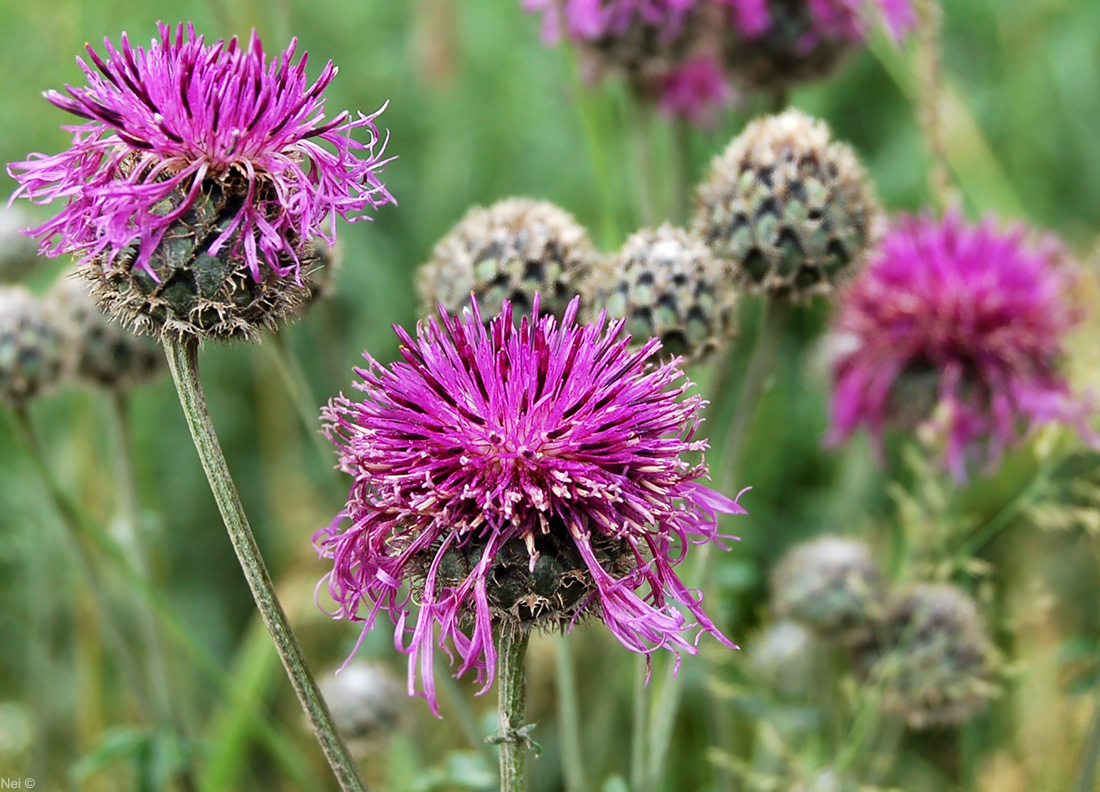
[832, 19]
[163, 122]
[696, 91]
[967, 322]
[592, 20]
[519, 477]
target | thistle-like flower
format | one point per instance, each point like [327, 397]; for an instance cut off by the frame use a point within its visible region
[511, 478]
[200, 166]
[774, 43]
[971, 316]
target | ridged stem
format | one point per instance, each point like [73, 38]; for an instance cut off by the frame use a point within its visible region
[930, 88]
[183, 360]
[512, 706]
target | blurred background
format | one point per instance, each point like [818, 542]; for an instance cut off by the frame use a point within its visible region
[480, 110]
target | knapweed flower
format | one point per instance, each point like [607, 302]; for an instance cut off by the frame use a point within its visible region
[606, 20]
[774, 43]
[199, 166]
[971, 315]
[517, 477]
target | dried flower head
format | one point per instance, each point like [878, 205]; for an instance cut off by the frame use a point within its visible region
[107, 353]
[511, 251]
[200, 167]
[517, 478]
[787, 207]
[775, 43]
[34, 354]
[932, 657]
[18, 254]
[667, 285]
[831, 584]
[970, 316]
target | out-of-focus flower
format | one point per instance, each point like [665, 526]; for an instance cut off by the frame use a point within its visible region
[969, 315]
[511, 251]
[774, 43]
[598, 20]
[788, 208]
[519, 477]
[932, 657]
[107, 353]
[667, 285]
[696, 90]
[200, 165]
[34, 353]
[830, 584]
[18, 255]
[782, 655]
[364, 699]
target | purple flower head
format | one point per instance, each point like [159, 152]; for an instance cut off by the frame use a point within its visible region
[593, 20]
[519, 477]
[972, 316]
[696, 90]
[163, 122]
[831, 19]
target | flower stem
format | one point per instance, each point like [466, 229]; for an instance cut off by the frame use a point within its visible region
[512, 704]
[183, 360]
[290, 370]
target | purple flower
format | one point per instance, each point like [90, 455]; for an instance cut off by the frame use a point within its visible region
[832, 19]
[695, 90]
[592, 20]
[974, 317]
[520, 477]
[164, 121]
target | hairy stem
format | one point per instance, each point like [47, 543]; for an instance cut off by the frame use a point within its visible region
[512, 705]
[183, 360]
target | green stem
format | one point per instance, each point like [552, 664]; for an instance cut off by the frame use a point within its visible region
[569, 721]
[183, 360]
[512, 706]
[930, 89]
[772, 320]
[645, 166]
[1090, 757]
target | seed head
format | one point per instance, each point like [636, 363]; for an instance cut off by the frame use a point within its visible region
[34, 354]
[509, 251]
[932, 657]
[516, 477]
[788, 208]
[830, 584]
[106, 353]
[202, 167]
[667, 285]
